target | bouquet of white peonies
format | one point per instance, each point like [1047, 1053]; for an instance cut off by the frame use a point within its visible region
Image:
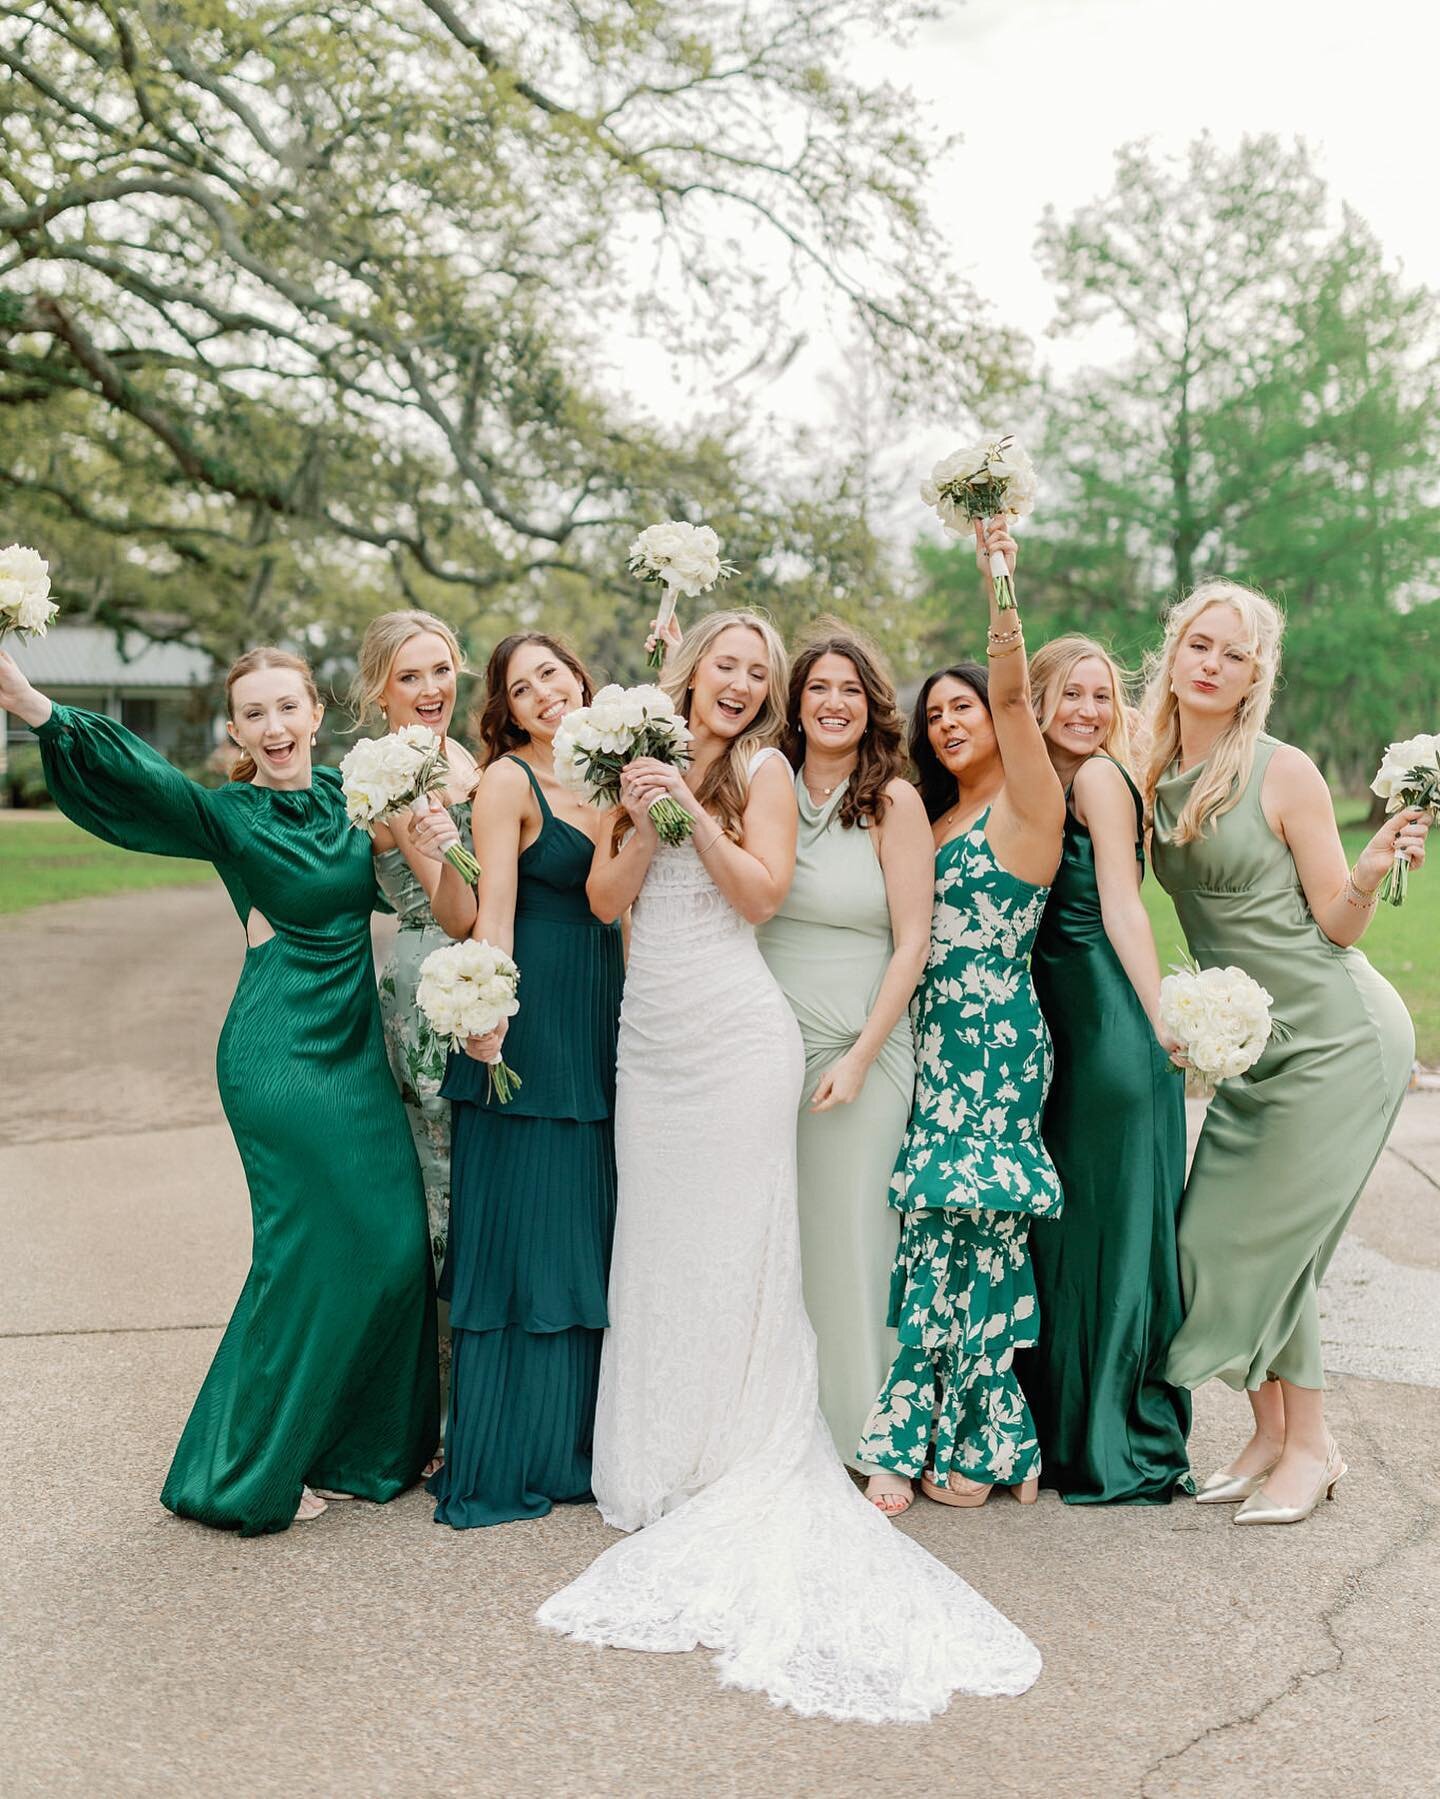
[685, 559]
[25, 603]
[464, 990]
[383, 775]
[984, 481]
[1408, 776]
[1219, 1016]
[620, 724]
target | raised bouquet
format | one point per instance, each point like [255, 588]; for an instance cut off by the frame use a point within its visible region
[1219, 1016]
[384, 775]
[988, 480]
[465, 989]
[25, 603]
[1408, 776]
[620, 724]
[684, 559]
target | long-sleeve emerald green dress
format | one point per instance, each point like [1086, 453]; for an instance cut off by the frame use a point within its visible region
[1111, 1428]
[532, 1207]
[326, 1373]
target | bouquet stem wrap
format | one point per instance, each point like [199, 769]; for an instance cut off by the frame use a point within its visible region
[656, 658]
[457, 855]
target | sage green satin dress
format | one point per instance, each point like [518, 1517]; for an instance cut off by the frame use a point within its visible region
[417, 1057]
[326, 1373]
[1111, 1427]
[828, 948]
[1287, 1148]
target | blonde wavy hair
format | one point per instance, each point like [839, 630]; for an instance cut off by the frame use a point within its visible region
[1052, 666]
[726, 784]
[1229, 765]
[383, 641]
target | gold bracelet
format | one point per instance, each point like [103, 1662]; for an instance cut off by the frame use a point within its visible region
[1011, 649]
[1361, 898]
[705, 848]
[1009, 636]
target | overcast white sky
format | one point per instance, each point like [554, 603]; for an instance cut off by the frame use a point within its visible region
[1059, 84]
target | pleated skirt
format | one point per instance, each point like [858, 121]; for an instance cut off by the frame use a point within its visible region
[532, 1219]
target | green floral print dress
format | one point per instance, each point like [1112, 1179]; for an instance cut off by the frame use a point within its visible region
[972, 1172]
[417, 1059]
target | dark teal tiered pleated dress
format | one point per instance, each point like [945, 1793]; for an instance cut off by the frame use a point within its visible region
[532, 1208]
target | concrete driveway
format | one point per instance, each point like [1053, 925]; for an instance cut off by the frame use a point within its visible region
[374, 1652]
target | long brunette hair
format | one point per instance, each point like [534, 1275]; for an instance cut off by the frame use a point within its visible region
[266, 656]
[880, 755]
[934, 780]
[492, 724]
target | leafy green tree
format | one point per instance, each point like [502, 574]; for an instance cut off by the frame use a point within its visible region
[1273, 417]
[305, 309]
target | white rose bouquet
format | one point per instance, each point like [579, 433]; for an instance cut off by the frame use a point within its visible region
[988, 480]
[620, 724]
[1219, 1016]
[1408, 776]
[25, 603]
[685, 559]
[384, 775]
[465, 989]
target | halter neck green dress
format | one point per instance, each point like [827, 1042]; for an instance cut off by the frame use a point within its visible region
[533, 1207]
[1111, 1428]
[326, 1373]
[1287, 1148]
[972, 1173]
[829, 946]
[417, 1058]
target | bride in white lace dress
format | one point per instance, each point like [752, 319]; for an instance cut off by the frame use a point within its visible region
[751, 1539]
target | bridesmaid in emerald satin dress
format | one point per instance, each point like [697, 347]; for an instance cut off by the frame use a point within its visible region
[847, 947]
[1110, 1427]
[533, 1180]
[325, 1377]
[1245, 842]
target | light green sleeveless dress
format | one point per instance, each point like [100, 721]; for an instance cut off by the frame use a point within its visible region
[1287, 1148]
[416, 1058]
[828, 948]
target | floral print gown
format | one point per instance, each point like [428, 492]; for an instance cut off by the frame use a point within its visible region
[417, 1058]
[972, 1172]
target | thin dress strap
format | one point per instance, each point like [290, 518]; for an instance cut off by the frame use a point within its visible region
[760, 758]
[545, 813]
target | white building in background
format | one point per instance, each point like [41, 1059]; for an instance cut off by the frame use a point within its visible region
[162, 692]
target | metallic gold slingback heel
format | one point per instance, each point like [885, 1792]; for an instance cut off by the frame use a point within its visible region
[1262, 1509]
[1226, 1488]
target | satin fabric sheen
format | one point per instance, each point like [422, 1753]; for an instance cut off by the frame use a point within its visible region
[1287, 1148]
[326, 1373]
[1111, 1428]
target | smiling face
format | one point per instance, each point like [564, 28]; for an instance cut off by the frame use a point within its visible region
[833, 708]
[959, 728]
[272, 718]
[730, 683]
[1084, 709]
[540, 689]
[420, 688]
[1214, 664]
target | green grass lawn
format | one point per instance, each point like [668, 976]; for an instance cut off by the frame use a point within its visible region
[47, 858]
[1403, 942]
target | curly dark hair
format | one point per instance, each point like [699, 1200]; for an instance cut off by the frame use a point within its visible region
[492, 724]
[936, 783]
[881, 754]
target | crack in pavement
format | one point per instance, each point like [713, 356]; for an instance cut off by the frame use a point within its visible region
[1424, 1173]
[1351, 1589]
[106, 1330]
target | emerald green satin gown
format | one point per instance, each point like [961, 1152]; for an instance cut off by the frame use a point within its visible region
[1111, 1428]
[326, 1373]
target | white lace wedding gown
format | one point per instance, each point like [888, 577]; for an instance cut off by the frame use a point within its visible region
[751, 1538]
